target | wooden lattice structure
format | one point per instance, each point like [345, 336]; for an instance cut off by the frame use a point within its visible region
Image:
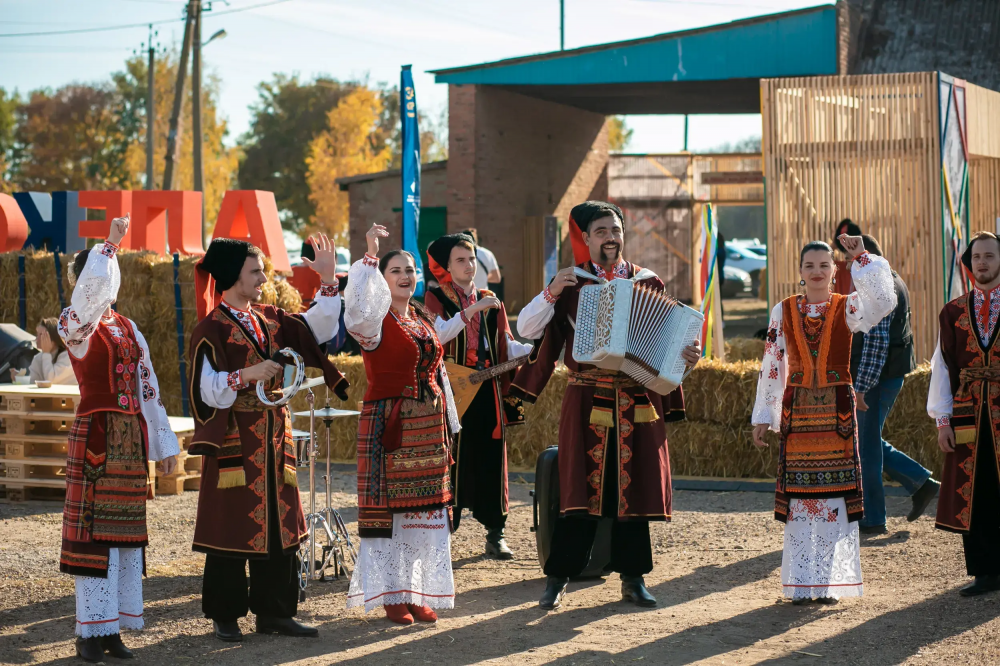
[883, 150]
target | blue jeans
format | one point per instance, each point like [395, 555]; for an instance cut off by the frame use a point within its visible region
[878, 455]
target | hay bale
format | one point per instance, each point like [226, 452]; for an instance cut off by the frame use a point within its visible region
[344, 433]
[722, 393]
[9, 294]
[744, 349]
[541, 427]
[41, 287]
[710, 449]
[909, 428]
[287, 297]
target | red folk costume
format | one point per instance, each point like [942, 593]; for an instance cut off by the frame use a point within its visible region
[596, 401]
[120, 424]
[404, 452]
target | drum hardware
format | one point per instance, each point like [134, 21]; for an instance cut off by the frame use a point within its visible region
[326, 522]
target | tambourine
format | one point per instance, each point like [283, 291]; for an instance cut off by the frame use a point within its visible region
[291, 383]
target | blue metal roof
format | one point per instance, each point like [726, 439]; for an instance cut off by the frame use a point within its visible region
[797, 43]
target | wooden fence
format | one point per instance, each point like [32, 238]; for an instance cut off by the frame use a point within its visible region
[859, 147]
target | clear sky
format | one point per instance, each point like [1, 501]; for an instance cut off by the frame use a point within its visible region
[357, 38]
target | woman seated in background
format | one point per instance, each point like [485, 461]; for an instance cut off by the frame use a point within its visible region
[52, 363]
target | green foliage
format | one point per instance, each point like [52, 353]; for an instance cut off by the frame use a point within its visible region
[619, 134]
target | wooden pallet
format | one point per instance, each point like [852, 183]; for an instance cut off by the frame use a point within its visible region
[176, 484]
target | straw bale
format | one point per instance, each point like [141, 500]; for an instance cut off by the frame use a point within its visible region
[8, 288]
[541, 427]
[744, 349]
[710, 449]
[722, 393]
[343, 434]
[909, 428]
[287, 297]
[41, 289]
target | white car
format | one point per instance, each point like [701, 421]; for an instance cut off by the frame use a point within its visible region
[746, 260]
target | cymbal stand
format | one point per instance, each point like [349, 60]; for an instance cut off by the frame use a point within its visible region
[339, 537]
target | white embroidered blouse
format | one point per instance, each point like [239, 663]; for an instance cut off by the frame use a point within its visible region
[367, 300]
[874, 298]
[95, 290]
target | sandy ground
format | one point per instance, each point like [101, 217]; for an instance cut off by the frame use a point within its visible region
[716, 579]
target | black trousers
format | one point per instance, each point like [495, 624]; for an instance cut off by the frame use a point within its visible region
[573, 537]
[982, 542]
[478, 473]
[274, 582]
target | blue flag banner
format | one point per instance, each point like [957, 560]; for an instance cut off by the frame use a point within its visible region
[411, 173]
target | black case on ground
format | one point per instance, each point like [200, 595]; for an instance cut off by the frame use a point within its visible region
[546, 511]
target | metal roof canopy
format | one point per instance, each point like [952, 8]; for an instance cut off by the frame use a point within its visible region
[716, 69]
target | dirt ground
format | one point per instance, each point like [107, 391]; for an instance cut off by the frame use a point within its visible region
[716, 579]
[744, 317]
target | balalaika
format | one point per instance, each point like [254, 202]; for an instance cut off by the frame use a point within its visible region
[627, 327]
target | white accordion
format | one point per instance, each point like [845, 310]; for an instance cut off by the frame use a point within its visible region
[630, 328]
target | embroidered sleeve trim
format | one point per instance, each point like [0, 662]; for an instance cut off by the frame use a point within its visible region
[369, 260]
[943, 421]
[329, 289]
[863, 259]
[234, 380]
[109, 249]
[549, 298]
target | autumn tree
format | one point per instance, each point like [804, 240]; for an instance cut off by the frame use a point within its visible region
[351, 144]
[619, 134]
[8, 123]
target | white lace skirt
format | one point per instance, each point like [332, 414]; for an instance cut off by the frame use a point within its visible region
[413, 567]
[822, 554]
[105, 606]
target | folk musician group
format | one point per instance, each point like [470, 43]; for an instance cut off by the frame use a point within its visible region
[834, 354]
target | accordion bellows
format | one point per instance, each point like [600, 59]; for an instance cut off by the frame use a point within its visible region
[630, 328]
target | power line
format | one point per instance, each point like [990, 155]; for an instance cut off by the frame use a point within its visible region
[138, 25]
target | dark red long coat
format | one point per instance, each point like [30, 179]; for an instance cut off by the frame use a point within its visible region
[643, 462]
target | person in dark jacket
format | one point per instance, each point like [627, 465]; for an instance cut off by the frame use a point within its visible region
[880, 360]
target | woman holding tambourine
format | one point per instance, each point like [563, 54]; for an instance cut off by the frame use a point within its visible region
[404, 443]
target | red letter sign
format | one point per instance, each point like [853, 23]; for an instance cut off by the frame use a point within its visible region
[253, 215]
[13, 226]
[117, 204]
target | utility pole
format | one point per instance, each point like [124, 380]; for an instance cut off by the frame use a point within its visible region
[199, 169]
[173, 136]
[562, 25]
[150, 111]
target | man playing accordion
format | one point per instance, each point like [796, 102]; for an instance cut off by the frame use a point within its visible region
[606, 417]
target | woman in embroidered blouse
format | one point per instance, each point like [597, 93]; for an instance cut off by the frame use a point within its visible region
[120, 424]
[404, 443]
[805, 393]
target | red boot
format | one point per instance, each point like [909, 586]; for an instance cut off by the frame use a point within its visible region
[423, 613]
[398, 613]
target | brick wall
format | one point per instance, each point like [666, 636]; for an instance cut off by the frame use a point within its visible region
[372, 202]
[512, 157]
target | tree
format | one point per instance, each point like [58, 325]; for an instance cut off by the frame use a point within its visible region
[750, 144]
[353, 143]
[8, 123]
[619, 134]
[220, 163]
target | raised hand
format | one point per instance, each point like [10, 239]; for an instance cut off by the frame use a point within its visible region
[563, 279]
[853, 245]
[377, 231]
[119, 227]
[325, 262]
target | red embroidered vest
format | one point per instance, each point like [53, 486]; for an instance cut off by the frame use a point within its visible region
[107, 372]
[392, 367]
[831, 364]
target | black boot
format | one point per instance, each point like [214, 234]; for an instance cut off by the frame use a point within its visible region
[286, 626]
[496, 545]
[873, 530]
[981, 585]
[114, 646]
[228, 631]
[89, 649]
[925, 495]
[555, 588]
[634, 590]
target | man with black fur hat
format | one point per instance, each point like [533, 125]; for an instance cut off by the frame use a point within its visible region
[606, 418]
[249, 508]
[964, 398]
[472, 325]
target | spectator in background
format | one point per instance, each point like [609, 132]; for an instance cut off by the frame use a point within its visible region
[52, 363]
[488, 276]
[843, 284]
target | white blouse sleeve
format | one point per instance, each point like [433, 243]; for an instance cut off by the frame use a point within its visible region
[324, 316]
[96, 289]
[875, 295]
[162, 440]
[218, 389]
[448, 330]
[517, 349]
[536, 315]
[773, 376]
[939, 397]
[366, 302]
